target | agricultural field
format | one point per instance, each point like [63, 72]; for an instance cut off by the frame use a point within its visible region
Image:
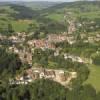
[21, 25]
[56, 17]
[94, 77]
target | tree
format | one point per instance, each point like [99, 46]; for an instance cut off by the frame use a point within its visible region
[10, 28]
[96, 58]
[9, 63]
[33, 27]
[87, 92]
[98, 96]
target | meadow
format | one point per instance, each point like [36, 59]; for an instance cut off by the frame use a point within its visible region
[94, 77]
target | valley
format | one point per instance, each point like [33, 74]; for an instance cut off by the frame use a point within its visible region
[50, 50]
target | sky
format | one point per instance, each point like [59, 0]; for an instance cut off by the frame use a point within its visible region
[46, 0]
[42, 0]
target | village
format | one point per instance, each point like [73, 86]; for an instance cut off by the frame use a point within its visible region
[49, 49]
[30, 75]
[25, 49]
[19, 45]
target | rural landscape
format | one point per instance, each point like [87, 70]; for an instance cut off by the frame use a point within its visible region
[50, 50]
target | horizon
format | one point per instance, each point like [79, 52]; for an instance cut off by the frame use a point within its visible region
[41, 0]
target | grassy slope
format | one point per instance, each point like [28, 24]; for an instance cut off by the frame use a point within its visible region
[20, 25]
[94, 77]
[57, 12]
[35, 5]
[88, 10]
[5, 18]
[56, 17]
[39, 5]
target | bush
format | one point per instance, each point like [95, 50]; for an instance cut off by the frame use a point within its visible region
[96, 59]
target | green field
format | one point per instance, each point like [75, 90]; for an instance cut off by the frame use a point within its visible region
[56, 17]
[94, 77]
[20, 25]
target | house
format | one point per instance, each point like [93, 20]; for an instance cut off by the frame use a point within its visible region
[83, 35]
[97, 38]
[50, 74]
[98, 35]
[70, 39]
[62, 77]
[42, 73]
[73, 74]
[59, 74]
[56, 38]
[35, 75]
[91, 39]
[15, 39]
[30, 43]
[56, 53]
[39, 43]
[85, 41]
[13, 49]
[2, 37]
[28, 58]
[28, 78]
[73, 58]
[71, 27]
[43, 44]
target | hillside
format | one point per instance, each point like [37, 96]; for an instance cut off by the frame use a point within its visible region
[82, 12]
[35, 5]
[50, 51]
[18, 16]
[39, 5]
